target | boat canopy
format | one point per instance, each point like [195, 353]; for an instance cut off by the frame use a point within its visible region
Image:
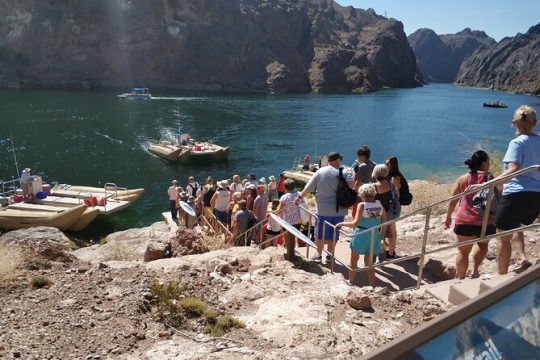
[140, 90]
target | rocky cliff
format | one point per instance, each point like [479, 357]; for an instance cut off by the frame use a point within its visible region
[439, 57]
[512, 65]
[233, 45]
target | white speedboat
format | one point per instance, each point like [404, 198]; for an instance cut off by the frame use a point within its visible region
[137, 94]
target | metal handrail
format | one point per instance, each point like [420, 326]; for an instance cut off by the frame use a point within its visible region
[489, 184]
[220, 226]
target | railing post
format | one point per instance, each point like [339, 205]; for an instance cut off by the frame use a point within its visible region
[422, 254]
[333, 249]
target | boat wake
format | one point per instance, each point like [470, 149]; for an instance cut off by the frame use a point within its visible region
[110, 138]
[183, 98]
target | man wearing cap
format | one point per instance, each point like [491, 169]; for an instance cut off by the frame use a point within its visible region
[325, 184]
[220, 200]
[172, 199]
[253, 179]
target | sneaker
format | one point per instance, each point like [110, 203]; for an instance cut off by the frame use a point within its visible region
[329, 259]
[388, 256]
[316, 258]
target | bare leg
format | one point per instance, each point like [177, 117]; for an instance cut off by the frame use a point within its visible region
[504, 251]
[392, 239]
[354, 266]
[330, 246]
[519, 241]
[371, 272]
[320, 246]
[462, 258]
[479, 254]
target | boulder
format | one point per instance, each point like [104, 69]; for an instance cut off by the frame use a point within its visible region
[358, 300]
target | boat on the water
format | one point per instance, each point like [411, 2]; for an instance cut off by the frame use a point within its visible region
[27, 202]
[495, 104]
[184, 148]
[80, 223]
[14, 218]
[137, 94]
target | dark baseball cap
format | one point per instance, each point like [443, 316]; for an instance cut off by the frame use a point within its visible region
[332, 155]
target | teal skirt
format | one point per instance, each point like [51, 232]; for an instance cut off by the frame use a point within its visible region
[360, 243]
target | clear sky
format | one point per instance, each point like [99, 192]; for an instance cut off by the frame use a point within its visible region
[498, 18]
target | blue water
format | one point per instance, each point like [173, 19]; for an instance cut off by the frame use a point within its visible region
[90, 137]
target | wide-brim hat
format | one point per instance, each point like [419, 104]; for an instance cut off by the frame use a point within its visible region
[223, 184]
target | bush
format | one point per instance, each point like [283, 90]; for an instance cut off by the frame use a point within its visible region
[39, 282]
[167, 296]
[223, 324]
[193, 306]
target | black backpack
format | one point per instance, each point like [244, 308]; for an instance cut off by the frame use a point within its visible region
[405, 196]
[345, 196]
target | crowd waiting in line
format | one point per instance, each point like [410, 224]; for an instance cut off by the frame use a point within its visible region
[382, 190]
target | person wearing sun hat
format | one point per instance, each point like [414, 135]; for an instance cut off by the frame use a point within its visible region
[324, 183]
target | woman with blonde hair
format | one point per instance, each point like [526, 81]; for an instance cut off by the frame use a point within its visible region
[369, 213]
[520, 203]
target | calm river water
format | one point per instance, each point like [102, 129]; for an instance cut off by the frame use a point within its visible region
[90, 137]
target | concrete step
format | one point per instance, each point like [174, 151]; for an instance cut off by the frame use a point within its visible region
[463, 290]
[440, 290]
[496, 280]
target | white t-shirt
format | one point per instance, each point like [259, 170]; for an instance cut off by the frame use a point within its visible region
[172, 193]
[234, 187]
[193, 189]
[223, 197]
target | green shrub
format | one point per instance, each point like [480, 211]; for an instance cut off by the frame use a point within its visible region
[193, 306]
[223, 324]
[40, 281]
[167, 296]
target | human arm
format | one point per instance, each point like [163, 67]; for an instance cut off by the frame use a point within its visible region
[354, 222]
[213, 200]
[457, 187]
[396, 180]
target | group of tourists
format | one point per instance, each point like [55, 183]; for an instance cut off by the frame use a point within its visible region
[236, 204]
[515, 203]
[380, 190]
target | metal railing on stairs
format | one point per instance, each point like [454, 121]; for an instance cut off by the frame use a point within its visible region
[217, 227]
[428, 210]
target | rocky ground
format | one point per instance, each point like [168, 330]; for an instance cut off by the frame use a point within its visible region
[99, 305]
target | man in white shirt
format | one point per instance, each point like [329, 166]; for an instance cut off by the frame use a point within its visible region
[172, 199]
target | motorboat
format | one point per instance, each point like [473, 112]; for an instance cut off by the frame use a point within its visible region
[88, 215]
[14, 218]
[184, 148]
[495, 104]
[110, 191]
[27, 202]
[137, 94]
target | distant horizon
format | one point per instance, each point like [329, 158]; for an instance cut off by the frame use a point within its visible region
[497, 18]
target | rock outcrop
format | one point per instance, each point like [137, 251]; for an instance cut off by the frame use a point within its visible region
[211, 45]
[511, 65]
[439, 57]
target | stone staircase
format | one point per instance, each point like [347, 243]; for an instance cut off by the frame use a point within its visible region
[456, 292]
